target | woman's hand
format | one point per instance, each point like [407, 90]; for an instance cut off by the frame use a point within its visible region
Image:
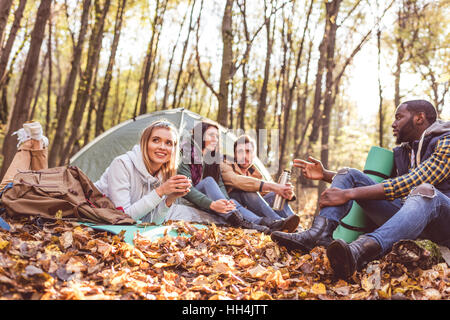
[176, 186]
[313, 170]
[222, 206]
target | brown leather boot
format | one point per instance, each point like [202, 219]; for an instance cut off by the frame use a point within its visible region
[346, 258]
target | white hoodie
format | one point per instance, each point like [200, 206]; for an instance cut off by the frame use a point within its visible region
[129, 185]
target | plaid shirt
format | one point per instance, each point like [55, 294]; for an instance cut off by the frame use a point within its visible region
[433, 170]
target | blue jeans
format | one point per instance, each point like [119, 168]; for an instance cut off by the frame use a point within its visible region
[262, 206]
[419, 216]
[3, 223]
[210, 187]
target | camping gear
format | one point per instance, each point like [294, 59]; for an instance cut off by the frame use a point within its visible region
[378, 167]
[60, 193]
[279, 201]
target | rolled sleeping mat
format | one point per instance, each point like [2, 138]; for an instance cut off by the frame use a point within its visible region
[378, 167]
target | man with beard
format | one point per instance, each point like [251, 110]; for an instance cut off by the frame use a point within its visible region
[413, 203]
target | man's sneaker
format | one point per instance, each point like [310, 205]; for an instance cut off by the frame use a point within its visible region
[34, 130]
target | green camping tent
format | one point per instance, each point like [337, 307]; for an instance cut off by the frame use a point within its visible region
[96, 156]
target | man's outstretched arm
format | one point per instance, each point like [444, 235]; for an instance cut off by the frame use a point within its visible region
[337, 197]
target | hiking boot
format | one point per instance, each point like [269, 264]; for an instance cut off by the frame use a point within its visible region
[235, 219]
[346, 258]
[320, 234]
[22, 136]
[35, 132]
[288, 224]
[258, 227]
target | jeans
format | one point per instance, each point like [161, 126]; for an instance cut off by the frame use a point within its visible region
[262, 206]
[210, 187]
[419, 216]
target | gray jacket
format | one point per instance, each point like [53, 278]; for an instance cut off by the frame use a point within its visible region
[130, 186]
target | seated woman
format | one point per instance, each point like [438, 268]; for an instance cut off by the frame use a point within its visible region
[201, 162]
[141, 181]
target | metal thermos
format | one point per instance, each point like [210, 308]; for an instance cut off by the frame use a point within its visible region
[279, 201]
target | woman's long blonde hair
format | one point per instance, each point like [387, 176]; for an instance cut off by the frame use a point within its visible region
[169, 168]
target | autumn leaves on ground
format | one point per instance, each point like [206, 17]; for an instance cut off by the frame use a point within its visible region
[64, 260]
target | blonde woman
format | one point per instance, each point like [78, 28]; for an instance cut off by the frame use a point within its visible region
[142, 181]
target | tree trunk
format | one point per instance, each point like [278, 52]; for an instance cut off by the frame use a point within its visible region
[25, 92]
[99, 125]
[262, 103]
[151, 53]
[314, 135]
[400, 54]
[63, 103]
[4, 100]
[290, 96]
[227, 63]
[38, 89]
[87, 78]
[380, 93]
[332, 13]
[50, 73]
[5, 7]
[5, 52]
[183, 54]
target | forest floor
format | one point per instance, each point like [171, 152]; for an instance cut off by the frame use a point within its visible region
[65, 260]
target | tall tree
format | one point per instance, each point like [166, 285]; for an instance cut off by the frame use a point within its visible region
[150, 58]
[227, 63]
[24, 94]
[87, 78]
[104, 92]
[183, 55]
[5, 7]
[262, 102]
[5, 51]
[64, 102]
[332, 11]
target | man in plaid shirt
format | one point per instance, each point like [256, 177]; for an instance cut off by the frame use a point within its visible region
[414, 203]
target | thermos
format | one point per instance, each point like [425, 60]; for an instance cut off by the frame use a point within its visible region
[279, 201]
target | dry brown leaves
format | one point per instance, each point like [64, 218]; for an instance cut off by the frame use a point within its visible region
[61, 260]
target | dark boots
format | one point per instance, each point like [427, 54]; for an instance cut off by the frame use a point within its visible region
[320, 234]
[237, 220]
[288, 224]
[346, 258]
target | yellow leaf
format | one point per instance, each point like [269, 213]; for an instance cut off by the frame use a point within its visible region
[3, 244]
[58, 214]
[260, 295]
[319, 288]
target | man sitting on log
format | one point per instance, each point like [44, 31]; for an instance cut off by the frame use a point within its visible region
[414, 203]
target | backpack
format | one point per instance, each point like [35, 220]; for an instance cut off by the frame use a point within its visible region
[60, 193]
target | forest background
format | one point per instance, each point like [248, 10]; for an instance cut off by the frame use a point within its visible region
[326, 74]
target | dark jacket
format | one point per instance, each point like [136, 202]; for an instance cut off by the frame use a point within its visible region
[423, 149]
